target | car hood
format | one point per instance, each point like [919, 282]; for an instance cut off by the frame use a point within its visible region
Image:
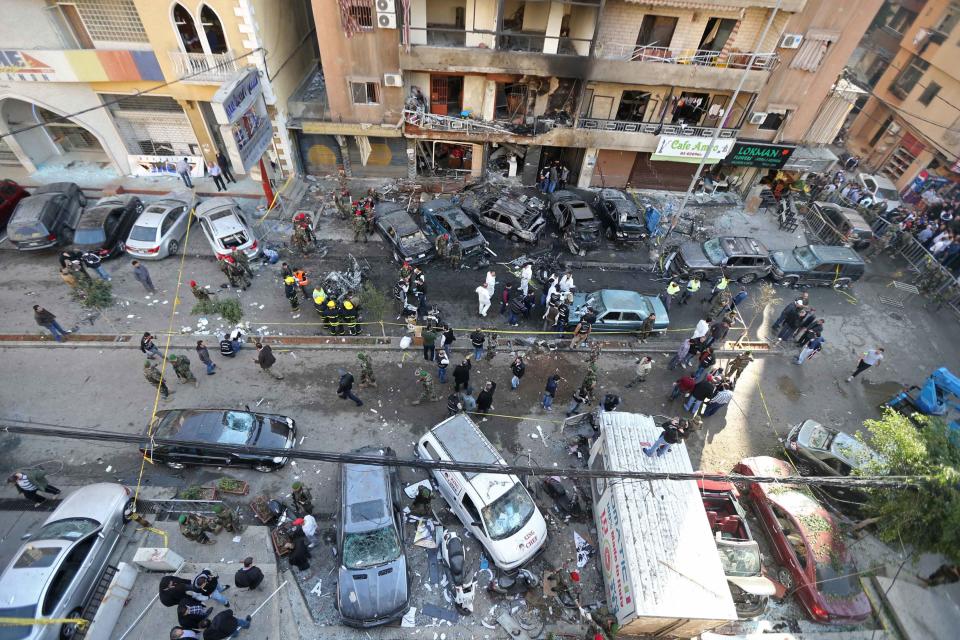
[416, 247]
[756, 585]
[578, 307]
[693, 255]
[786, 262]
[95, 501]
[368, 595]
[275, 434]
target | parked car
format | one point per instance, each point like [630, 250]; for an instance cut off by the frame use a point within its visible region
[847, 223]
[219, 427]
[881, 189]
[575, 217]
[54, 574]
[817, 567]
[11, 193]
[373, 582]
[739, 552]
[622, 221]
[739, 258]
[618, 310]
[105, 226]
[403, 235]
[226, 227]
[817, 264]
[47, 218]
[516, 219]
[444, 216]
[159, 230]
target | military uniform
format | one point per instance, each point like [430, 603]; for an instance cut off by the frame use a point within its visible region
[722, 301]
[227, 519]
[426, 388]
[200, 294]
[456, 255]
[367, 378]
[192, 527]
[181, 366]
[152, 374]
[359, 227]
[736, 366]
[300, 240]
[302, 499]
[228, 271]
[242, 261]
[441, 245]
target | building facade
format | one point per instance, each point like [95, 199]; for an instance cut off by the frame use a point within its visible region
[909, 129]
[227, 68]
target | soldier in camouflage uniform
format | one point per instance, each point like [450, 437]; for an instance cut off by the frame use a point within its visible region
[193, 527]
[229, 271]
[239, 275]
[456, 255]
[359, 227]
[595, 350]
[242, 261]
[300, 241]
[181, 366]
[405, 270]
[721, 302]
[367, 378]
[152, 373]
[200, 294]
[426, 391]
[440, 244]
[227, 519]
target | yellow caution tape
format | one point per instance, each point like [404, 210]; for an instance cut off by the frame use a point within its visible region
[29, 622]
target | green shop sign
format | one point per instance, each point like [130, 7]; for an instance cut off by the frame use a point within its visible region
[759, 154]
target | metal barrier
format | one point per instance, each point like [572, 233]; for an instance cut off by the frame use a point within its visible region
[820, 226]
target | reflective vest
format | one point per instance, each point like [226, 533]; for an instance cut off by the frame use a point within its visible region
[722, 284]
[693, 286]
[319, 296]
[673, 288]
[301, 278]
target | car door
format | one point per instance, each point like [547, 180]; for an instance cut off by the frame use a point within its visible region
[111, 227]
[471, 517]
[630, 320]
[180, 217]
[70, 582]
[823, 273]
[795, 554]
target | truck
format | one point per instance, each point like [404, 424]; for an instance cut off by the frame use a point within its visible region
[661, 570]
[938, 396]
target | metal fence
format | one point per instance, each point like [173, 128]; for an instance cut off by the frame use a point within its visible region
[637, 53]
[653, 128]
[820, 226]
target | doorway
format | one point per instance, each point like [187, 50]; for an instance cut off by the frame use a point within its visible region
[716, 34]
[656, 31]
[446, 95]
[633, 106]
[690, 108]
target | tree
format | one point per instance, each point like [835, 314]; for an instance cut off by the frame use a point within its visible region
[374, 303]
[927, 516]
[764, 296]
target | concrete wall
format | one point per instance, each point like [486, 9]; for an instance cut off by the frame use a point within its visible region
[583, 23]
[481, 14]
[42, 32]
[474, 89]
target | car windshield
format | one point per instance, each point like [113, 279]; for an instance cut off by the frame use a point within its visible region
[820, 437]
[67, 529]
[36, 557]
[739, 558]
[508, 513]
[28, 611]
[805, 257]
[238, 428]
[412, 240]
[468, 232]
[143, 234]
[90, 236]
[837, 579]
[219, 215]
[596, 302]
[889, 194]
[370, 548]
[713, 251]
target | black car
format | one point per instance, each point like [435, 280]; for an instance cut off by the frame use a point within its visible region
[403, 235]
[822, 264]
[737, 257]
[373, 585]
[622, 221]
[575, 219]
[48, 218]
[104, 226]
[192, 429]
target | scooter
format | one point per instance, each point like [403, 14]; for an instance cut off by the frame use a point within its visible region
[512, 583]
[453, 556]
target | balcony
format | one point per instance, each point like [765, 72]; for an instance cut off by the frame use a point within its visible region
[653, 128]
[206, 68]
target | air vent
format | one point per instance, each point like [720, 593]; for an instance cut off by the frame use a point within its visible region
[384, 572]
[359, 576]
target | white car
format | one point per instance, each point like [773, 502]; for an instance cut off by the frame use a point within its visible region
[226, 227]
[881, 189]
[56, 571]
[159, 230]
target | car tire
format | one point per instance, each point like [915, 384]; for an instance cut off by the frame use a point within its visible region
[841, 283]
[173, 247]
[747, 278]
[265, 468]
[784, 578]
[69, 631]
[699, 275]
[175, 465]
[793, 281]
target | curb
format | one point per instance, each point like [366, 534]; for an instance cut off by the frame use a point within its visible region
[610, 266]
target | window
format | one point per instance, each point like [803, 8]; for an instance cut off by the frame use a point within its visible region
[716, 34]
[900, 20]
[630, 316]
[213, 30]
[362, 13]
[365, 92]
[929, 93]
[908, 77]
[656, 31]
[949, 20]
[189, 37]
[772, 122]
[633, 106]
[111, 20]
[471, 508]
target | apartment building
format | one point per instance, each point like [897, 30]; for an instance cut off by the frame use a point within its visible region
[909, 129]
[228, 67]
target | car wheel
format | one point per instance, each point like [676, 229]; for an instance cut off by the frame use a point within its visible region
[785, 578]
[175, 465]
[69, 630]
[841, 283]
[173, 247]
[265, 468]
[747, 278]
[128, 508]
[793, 282]
[699, 275]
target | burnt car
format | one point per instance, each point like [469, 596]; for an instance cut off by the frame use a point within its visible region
[105, 226]
[621, 219]
[47, 218]
[739, 551]
[817, 264]
[517, 219]
[575, 219]
[373, 584]
[403, 235]
[443, 216]
[191, 430]
[738, 258]
[11, 194]
[845, 223]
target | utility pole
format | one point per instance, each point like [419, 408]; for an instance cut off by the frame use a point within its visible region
[733, 104]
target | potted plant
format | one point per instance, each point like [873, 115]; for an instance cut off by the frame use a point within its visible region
[196, 492]
[233, 486]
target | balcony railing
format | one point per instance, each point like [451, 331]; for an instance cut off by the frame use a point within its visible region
[722, 59]
[519, 41]
[653, 128]
[455, 124]
[205, 67]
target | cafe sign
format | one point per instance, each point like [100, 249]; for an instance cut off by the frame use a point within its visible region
[236, 96]
[692, 149]
[760, 155]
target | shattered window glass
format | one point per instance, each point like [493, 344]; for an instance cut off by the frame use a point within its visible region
[508, 513]
[370, 548]
[238, 428]
[412, 240]
[820, 438]
[370, 510]
[713, 251]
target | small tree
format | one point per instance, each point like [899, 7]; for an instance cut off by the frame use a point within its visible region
[93, 294]
[229, 308]
[373, 303]
[926, 516]
[765, 296]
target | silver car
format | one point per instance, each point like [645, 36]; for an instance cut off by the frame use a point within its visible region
[226, 228]
[159, 230]
[830, 452]
[54, 574]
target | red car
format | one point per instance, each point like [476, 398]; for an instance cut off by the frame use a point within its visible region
[807, 543]
[10, 194]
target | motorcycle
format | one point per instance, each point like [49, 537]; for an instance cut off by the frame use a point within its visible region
[512, 583]
[453, 556]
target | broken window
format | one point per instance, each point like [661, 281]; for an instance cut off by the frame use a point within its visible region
[365, 92]
[633, 106]
[370, 548]
[508, 513]
[511, 102]
[238, 428]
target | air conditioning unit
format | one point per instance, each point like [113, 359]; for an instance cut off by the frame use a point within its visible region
[791, 41]
[386, 6]
[893, 129]
[757, 117]
[392, 80]
[387, 20]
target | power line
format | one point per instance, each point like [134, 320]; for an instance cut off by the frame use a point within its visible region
[107, 103]
[78, 433]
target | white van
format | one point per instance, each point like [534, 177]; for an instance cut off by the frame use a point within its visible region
[496, 508]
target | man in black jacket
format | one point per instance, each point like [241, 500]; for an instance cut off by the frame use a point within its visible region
[345, 388]
[248, 576]
[49, 322]
[225, 625]
[191, 614]
[225, 166]
[266, 360]
[702, 392]
[461, 375]
[477, 339]
[485, 397]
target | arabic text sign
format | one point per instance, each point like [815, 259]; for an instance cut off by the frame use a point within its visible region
[691, 149]
[760, 155]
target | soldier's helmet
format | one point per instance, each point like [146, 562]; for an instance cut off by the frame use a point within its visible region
[297, 485]
[362, 356]
[218, 508]
[183, 518]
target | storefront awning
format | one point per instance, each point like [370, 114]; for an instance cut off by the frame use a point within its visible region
[816, 159]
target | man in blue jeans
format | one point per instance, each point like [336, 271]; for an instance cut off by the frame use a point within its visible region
[550, 391]
[345, 388]
[49, 322]
[477, 339]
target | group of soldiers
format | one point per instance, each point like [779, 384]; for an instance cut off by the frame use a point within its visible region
[451, 250]
[304, 239]
[181, 367]
[198, 527]
[363, 218]
[236, 267]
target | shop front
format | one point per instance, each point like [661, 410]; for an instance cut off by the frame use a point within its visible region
[750, 162]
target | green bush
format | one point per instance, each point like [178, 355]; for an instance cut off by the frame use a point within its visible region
[230, 309]
[373, 302]
[93, 293]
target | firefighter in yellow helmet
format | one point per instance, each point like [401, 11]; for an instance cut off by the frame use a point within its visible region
[290, 291]
[336, 320]
[329, 313]
[319, 299]
[348, 318]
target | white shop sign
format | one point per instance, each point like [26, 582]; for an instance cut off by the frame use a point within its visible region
[692, 149]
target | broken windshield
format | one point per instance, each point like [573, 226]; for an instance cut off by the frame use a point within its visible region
[739, 558]
[508, 513]
[238, 428]
[413, 240]
[468, 232]
[370, 548]
[713, 251]
[820, 437]
[805, 257]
